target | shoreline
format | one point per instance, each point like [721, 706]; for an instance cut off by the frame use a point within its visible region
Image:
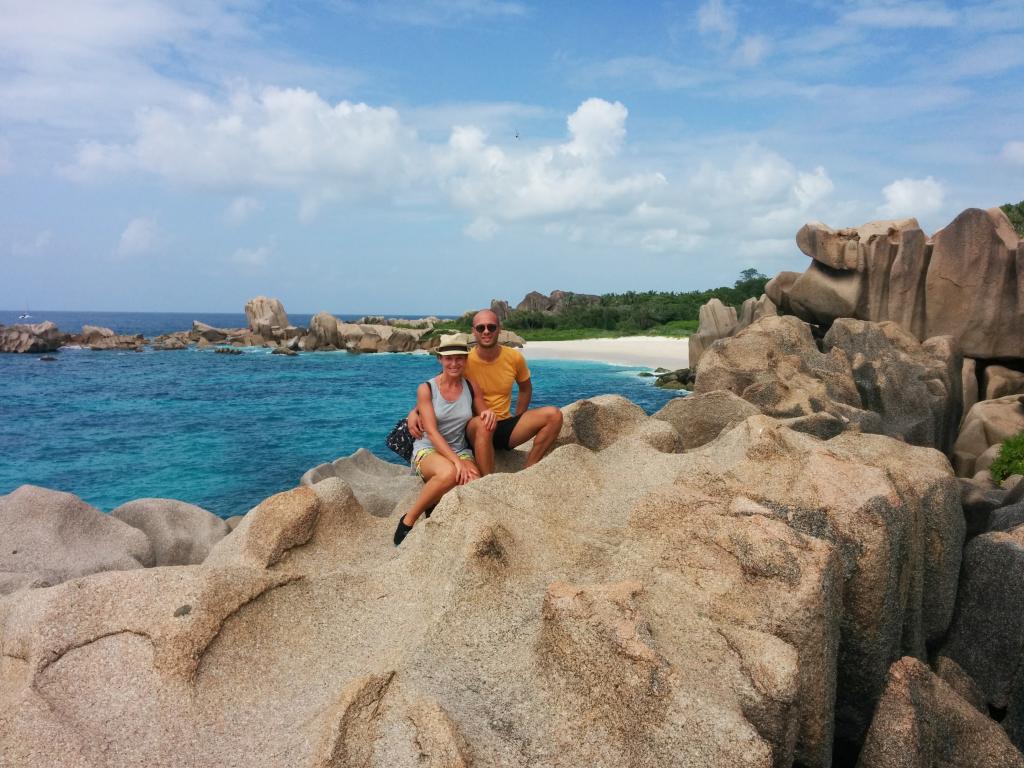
[635, 351]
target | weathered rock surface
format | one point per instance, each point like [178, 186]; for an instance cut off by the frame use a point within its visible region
[614, 605]
[378, 485]
[600, 421]
[970, 384]
[47, 537]
[699, 419]
[915, 388]
[775, 364]
[266, 317]
[986, 425]
[922, 721]
[201, 330]
[534, 301]
[37, 337]
[180, 533]
[716, 321]
[557, 302]
[1000, 381]
[323, 327]
[501, 309]
[987, 635]
[962, 282]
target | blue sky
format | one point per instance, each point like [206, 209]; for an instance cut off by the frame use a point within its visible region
[415, 157]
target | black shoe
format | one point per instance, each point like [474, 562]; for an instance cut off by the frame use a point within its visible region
[401, 531]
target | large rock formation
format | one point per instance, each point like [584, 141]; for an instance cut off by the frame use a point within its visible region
[557, 302]
[50, 536]
[266, 317]
[915, 388]
[776, 365]
[987, 635]
[717, 321]
[38, 337]
[700, 418]
[617, 604]
[378, 485]
[922, 721]
[323, 327]
[984, 428]
[179, 533]
[99, 338]
[963, 282]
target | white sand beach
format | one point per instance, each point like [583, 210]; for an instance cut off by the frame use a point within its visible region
[650, 351]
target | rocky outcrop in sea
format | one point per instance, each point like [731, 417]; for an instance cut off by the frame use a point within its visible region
[268, 327]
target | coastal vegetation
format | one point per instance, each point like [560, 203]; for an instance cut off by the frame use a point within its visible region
[1015, 213]
[1010, 460]
[648, 313]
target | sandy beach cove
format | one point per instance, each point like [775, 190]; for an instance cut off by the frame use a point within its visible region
[651, 351]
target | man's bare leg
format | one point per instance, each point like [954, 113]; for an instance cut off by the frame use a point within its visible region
[483, 447]
[543, 425]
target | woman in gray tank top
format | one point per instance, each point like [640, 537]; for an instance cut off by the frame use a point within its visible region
[442, 457]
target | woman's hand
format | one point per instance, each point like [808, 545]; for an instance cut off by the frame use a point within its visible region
[415, 428]
[489, 419]
[465, 472]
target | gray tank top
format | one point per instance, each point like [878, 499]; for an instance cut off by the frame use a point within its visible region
[451, 419]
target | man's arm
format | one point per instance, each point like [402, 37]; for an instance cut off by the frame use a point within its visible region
[523, 398]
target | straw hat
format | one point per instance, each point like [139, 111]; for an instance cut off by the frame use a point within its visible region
[453, 344]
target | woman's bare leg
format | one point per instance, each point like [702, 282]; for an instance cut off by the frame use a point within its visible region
[438, 478]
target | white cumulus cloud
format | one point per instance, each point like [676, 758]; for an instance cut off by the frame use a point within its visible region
[551, 180]
[138, 237]
[912, 197]
[277, 138]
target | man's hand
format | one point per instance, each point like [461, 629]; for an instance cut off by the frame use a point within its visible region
[489, 419]
[465, 472]
[415, 429]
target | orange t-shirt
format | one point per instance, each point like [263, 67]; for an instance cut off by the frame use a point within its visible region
[495, 378]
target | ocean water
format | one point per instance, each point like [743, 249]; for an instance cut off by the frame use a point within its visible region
[221, 431]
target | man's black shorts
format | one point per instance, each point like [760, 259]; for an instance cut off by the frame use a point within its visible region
[503, 431]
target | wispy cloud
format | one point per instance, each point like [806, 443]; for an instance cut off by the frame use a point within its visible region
[1013, 151]
[434, 13]
[715, 18]
[138, 237]
[644, 71]
[241, 208]
[251, 257]
[898, 16]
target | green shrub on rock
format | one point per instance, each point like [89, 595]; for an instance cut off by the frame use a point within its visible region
[1010, 460]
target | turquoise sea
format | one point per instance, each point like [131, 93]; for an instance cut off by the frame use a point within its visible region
[220, 431]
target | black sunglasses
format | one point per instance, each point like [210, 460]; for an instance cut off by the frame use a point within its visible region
[489, 327]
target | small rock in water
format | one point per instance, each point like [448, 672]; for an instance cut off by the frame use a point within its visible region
[227, 351]
[646, 374]
[285, 351]
[48, 358]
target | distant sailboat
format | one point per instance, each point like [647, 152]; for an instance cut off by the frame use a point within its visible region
[24, 315]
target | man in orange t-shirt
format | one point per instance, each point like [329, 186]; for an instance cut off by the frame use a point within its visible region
[493, 369]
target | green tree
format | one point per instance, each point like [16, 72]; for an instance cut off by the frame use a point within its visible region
[1015, 213]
